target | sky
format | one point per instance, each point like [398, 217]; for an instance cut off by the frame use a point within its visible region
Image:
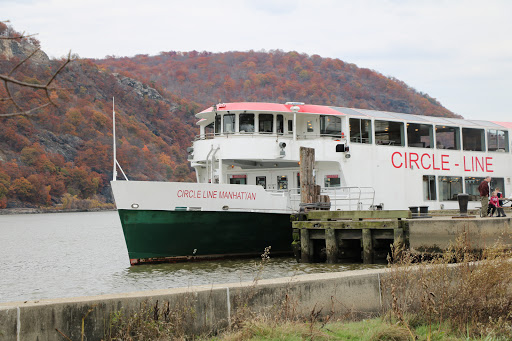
[457, 51]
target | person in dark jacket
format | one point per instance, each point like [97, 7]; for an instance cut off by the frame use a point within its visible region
[501, 212]
[484, 195]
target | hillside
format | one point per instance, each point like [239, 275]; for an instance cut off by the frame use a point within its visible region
[273, 76]
[65, 152]
[62, 154]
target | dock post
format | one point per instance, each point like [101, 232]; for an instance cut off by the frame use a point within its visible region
[308, 190]
[367, 246]
[331, 246]
[306, 248]
[398, 234]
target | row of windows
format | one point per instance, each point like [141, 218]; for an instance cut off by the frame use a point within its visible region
[450, 186]
[422, 135]
[329, 125]
[390, 133]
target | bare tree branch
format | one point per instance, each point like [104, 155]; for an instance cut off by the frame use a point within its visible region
[8, 79]
[21, 36]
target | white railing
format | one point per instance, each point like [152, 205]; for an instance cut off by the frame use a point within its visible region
[348, 198]
[209, 136]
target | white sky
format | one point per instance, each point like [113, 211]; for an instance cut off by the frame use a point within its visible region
[458, 51]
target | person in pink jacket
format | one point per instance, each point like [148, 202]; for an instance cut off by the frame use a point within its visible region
[494, 203]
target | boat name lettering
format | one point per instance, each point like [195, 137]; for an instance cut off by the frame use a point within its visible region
[441, 162]
[199, 194]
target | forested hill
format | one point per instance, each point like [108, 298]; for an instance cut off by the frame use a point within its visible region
[63, 154]
[273, 76]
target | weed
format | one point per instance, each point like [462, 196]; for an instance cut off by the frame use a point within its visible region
[473, 296]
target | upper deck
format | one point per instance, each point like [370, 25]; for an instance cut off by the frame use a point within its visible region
[305, 121]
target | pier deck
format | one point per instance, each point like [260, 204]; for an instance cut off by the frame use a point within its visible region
[367, 236]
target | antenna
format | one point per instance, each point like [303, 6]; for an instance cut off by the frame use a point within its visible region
[114, 173]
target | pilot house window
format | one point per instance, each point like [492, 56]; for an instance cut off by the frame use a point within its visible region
[266, 123]
[229, 123]
[246, 123]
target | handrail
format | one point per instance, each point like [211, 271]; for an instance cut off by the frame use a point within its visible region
[209, 136]
[349, 197]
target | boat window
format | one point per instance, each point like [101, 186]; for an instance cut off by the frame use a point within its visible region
[266, 123]
[290, 126]
[229, 123]
[238, 179]
[497, 140]
[498, 183]
[472, 184]
[246, 123]
[208, 130]
[330, 125]
[360, 130]
[473, 139]
[261, 181]
[280, 124]
[217, 124]
[447, 137]
[449, 187]
[332, 181]
[389, 133]
[309, 126]
[282, 182]
[420, 135]
[429, 187]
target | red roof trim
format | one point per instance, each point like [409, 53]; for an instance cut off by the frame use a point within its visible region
[275, 107]
[504, 124]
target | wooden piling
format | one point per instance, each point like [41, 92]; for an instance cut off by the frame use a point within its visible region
[308, 191]
[306, 247]
[367, 246]
[331, 246]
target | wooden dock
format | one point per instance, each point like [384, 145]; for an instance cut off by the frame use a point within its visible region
[337, 236]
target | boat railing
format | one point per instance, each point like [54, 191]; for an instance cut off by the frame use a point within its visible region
[209, 136]
[350, 198]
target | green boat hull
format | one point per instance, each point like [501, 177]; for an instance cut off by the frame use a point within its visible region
[160, 236]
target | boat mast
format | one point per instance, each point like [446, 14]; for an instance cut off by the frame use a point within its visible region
[116, 164]
[114, 173]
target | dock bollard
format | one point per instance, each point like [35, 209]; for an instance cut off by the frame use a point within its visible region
[463, 199]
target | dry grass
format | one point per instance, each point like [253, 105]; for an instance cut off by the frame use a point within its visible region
[474, 296]
[458, 295]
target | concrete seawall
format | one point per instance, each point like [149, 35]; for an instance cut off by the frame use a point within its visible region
[214, 307]
[436, 234]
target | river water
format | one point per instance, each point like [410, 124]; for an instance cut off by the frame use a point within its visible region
[76, 254]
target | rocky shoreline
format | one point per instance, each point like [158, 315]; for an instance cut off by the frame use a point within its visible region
[7, 211]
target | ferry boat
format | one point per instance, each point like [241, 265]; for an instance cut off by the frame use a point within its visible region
[246, 160]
